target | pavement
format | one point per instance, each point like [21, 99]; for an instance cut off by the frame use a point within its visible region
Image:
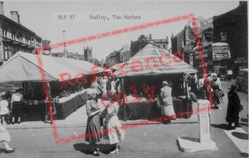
[144, 138]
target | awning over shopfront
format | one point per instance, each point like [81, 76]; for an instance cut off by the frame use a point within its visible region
[30, 67]
[153, 60]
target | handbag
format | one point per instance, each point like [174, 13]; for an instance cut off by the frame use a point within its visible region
[161, 100]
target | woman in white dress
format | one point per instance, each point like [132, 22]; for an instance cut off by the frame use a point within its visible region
[5, 139]
[167, 109]
[112, 127]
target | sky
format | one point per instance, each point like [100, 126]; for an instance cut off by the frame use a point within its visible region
[47, 20]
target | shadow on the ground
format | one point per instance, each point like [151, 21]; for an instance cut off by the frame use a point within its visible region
[244, 154]
[240, 135]
[2, 150]
[221, 126]
[85, 148]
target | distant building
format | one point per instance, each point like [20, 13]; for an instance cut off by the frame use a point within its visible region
[70, 55]
[113, 58]
[125, 53]
[142, 41]
[14, 36]
[87, 53]
[95, 61]
[182, 44]
[46, 48]
[232, 27]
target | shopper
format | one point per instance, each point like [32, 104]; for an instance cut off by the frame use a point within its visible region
[93, 128]
[4, 109]
[95, 85]
[167, 109]
[216, 90]
[234, 107]
[5, 139]
[112, 127]
[17, 106]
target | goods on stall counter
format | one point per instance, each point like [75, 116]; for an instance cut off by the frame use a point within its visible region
[37, 102]
[133, 99]
[63, 99]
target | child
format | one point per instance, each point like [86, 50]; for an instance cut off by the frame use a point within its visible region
[4, 110]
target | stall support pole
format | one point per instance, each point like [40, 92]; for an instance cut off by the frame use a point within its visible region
[52, 111]
[123, 101]
[187, 94]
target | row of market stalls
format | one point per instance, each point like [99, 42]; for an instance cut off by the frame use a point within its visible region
[50, 83]
[147, 69]
[60, 84]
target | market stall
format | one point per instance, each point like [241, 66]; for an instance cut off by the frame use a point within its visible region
[147, 69]
[45, 78]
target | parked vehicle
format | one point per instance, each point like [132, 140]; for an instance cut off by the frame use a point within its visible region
[223, 72]
[242, 80]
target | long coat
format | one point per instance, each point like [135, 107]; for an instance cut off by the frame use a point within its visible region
[234, 107]
[166, 94]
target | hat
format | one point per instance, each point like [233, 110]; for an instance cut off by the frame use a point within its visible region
[234, 86]
[214, 74]
[164, 83]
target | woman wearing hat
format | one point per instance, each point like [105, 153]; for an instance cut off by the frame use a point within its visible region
[216, 90]
[93, 123]
[234, 107]
[167, 109]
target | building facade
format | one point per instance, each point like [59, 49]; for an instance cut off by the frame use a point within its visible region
[143, 40]
[183, 43]
[125, 53]
[87, 53]
[113, 58]
[15, 37]
[232, 28]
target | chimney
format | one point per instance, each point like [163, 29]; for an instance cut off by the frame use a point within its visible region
[1, 8]
[15, 16]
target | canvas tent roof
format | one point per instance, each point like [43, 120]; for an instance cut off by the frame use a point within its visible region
[30, 67]
[117, 66]
[153, 60]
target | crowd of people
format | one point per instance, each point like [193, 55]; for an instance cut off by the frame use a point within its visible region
[11, 107]
[106, 125]
[207, 86]
[200, 89]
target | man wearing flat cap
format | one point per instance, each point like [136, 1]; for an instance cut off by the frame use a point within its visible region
[167, 109]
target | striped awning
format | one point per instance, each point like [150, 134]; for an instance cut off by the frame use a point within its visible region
[153, 60]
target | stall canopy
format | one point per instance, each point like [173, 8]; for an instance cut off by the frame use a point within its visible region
[30, 67]
[153, 60]
[117, 66]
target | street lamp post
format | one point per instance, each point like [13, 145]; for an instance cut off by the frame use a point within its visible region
[65, 51]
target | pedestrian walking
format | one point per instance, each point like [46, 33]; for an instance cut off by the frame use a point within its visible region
[202, 87]
[167, 109]
[4, 109]
[17, 106]
[5, 139]
[234, 107]
[95, 85]
[93, 128]
[216, 90]
[112, 127]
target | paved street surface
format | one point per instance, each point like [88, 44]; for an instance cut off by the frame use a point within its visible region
[36, 140]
